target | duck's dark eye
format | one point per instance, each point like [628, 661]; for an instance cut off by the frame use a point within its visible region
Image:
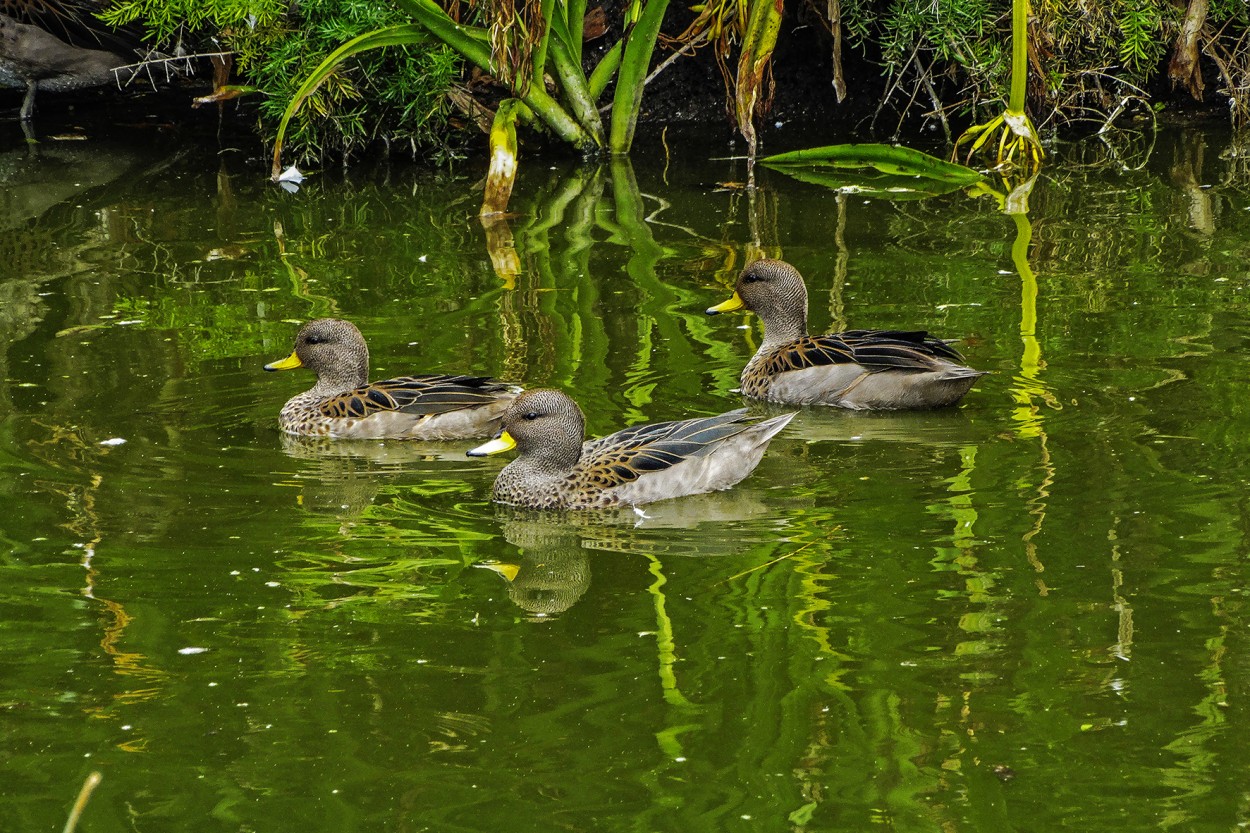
[530, 416]
[314, 340]
[751, 277]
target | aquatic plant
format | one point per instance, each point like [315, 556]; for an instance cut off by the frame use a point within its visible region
[888, 171]
[1018, 142]
[754, 24]
[939, 63]
[520, 48]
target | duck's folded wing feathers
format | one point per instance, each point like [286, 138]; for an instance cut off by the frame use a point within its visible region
[872, 349]
[416, 395]
[632, 452]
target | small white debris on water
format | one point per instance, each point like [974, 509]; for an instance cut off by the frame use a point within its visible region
[113, 441]
[191, 649]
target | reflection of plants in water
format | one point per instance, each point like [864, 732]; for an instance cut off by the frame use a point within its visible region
[62, 444]
[553, 317]
[332, 579]
[1029, 391]
[666, 647]
[383, 542]
[1127, 135]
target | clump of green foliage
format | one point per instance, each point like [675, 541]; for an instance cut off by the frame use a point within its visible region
[395, 96]
[943, 60]
[948, 57]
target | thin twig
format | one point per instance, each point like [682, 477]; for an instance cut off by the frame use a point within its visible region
[84, 794]
[893, 83]
[937, 103]
[687, 48]
[769, 563]
[172, 58]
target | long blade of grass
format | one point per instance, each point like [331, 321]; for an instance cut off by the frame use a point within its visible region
[881, 186]
[605, 70]
[574, 17]
[626, 101]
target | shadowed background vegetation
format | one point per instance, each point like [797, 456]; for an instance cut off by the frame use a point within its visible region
[895, 67]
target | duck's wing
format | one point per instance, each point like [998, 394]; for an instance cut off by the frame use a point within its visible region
[872, 349]
[642, 449]
[416, 395]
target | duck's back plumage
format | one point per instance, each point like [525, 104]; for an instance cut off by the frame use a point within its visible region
[861, 369]
[427, 407]
[646, 463]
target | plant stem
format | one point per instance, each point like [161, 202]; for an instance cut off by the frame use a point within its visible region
[84, 794]
[639, 44]
[503, 158]
[473, 43]
[1019, 55]
[576, 90]
[539, 62]
[604, 71]
[574, 15]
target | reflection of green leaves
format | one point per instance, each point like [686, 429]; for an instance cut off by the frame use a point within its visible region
[884, 186]
[333, 580]
[888, 159]
[406, 545]
[874, 169]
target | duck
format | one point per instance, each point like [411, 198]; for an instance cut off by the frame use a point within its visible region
[33, 58]
[556, 468]
[855, 369]
[345, 404]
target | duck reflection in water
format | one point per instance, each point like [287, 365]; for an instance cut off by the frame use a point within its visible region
[550, 572]
[343, 478]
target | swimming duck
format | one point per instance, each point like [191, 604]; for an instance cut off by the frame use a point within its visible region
[344, 403]
[555, 469]
[858, 369]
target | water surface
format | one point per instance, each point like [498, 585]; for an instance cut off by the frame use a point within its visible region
[1022, 614]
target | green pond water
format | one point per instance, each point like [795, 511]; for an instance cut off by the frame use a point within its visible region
[1027, 613]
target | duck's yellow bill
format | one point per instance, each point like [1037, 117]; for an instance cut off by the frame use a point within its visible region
[503, 442]
[289, 363]
[735, 302]
[508, 571]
